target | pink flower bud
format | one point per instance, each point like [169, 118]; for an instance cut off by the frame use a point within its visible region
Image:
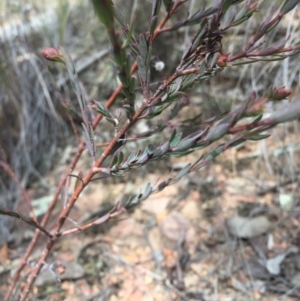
[280, 93]
[222, 60]
[54, 55]
[253, 6]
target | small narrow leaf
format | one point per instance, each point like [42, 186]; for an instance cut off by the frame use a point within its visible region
[173, 134]
[124, 79]
[176, 140]
[184, 171]
[147, 191]
[125, 166]
[153, 24]
[119, 16]
[105, 11]
[181, 153]
[132, 85]
[288, 5]
[88, 141]
[129, 34]
[102, 109]
[120, 158]
[156, 7]
[168, 5]
[214, 153]
[188, 142]
[141, 68]
[218, 132]
[226, 4]
[258, 137]
[114, 161]
[92, 139]
[161, 150]
[143, 47]
[144, 158]
[162, 185]
[149, 149]
[133, 157]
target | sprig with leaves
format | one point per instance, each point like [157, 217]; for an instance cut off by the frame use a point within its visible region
[204, 57]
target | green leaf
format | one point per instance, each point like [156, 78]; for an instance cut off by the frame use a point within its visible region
[149, 149]
[175, 86]
[161, 150]
[225, 5]
[119, 16]
[156, 7]
[176, 140]
[184, 171]
[132, 85]
[88, 140]
[258, 118]
[144, 158]
[173, 134]
[184, 145]
[214, 153]
[125, 166]
[258, 137]
[218, 132]
[188, 142]
[128, 65]
[147, 191]
[181, 153]
[141, 68]
[168, 5]
[114, 161]
[129, 35]
[240, 15]
[162, 185]
[288, 5]
[124, 79]
[153, 24]
[143, 47]
[105, 11]
[102, 109]
[133, 157]
[200, 145]
[120, 158]
[154, 111]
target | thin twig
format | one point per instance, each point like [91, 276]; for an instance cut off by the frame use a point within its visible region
[26, 197]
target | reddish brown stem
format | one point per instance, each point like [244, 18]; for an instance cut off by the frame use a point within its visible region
[250, 126]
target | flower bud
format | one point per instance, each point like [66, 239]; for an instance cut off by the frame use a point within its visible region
[279, 93]
[54, 55]
[222, 60]
[253, 6]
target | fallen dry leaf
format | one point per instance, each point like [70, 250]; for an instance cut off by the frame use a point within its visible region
[273, 264]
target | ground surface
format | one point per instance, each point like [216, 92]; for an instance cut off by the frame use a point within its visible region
[177, 245]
